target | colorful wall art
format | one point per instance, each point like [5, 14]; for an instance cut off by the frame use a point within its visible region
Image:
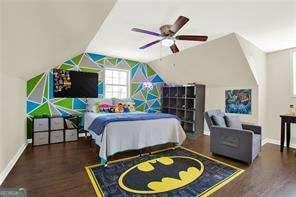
[40, 99]
[238, 101]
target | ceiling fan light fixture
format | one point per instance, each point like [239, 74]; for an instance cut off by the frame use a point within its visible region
[167, 42]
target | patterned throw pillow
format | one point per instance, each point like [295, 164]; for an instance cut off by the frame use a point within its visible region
[218, 120]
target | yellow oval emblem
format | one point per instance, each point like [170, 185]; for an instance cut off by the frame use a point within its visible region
[162, 174]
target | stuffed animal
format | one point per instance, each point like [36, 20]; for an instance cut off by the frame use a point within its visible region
[119, 108]
[104, 107]
[130, 106]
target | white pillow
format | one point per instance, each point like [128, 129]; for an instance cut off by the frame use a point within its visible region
[116, 101]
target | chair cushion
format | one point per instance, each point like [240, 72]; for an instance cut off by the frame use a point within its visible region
[218, 120]
[233, 122]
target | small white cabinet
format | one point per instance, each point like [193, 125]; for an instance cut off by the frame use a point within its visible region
[49, 130]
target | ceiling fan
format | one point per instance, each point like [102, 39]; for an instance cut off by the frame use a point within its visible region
[168, 37]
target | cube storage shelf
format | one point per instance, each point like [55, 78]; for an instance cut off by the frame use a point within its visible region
[55, 129]
[188, 103]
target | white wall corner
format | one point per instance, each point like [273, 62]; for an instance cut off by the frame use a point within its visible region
[207, 133]
[12, 162]
[278, 142]
[264, 141]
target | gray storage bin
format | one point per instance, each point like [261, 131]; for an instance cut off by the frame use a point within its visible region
[71, 135]
[41, 124]
[40, 138]
[56, 123]
[56, 136]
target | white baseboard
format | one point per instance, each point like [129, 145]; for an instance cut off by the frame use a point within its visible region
[12, 162]
[278, 142]
[265, 141]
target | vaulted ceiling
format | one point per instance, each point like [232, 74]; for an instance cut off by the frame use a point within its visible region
[37, 35]
[270, 25]
[220, 62]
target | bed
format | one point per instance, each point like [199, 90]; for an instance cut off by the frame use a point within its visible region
[122, 134]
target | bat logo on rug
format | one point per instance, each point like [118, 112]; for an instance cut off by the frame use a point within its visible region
[162, 174]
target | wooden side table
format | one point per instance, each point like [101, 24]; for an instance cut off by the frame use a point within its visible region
[286, 121]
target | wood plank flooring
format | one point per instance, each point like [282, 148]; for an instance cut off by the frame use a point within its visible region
[58, 170]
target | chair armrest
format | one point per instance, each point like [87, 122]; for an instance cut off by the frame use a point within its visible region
[230, 131]
[256, 129]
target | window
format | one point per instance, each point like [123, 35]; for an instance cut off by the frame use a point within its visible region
[294, 73]
[116, 83]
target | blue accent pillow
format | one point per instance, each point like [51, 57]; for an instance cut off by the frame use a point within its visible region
[233, 122]
[218, 120]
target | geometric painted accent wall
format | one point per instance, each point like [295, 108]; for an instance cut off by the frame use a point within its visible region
[40, 100]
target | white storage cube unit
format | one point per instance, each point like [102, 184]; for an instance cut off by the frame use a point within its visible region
[56, 123]
[56, 136]
[40, 138]
[71, 135]
[41, 124]
[50, 130]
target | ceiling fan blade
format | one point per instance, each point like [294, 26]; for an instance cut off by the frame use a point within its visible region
[145, 31]
[149, 44]
[192, 37]
[174, 48]
[180, 22]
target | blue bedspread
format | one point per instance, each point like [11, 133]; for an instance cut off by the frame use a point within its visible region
[98, 125]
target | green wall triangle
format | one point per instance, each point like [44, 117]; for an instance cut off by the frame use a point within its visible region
[141, 107]
[90, 70]
[32, 83]
[131, 63]
[112, 60]
[150, 71]
[65, 67]
[154, 91]
[42, 110]
[66, 103]
[77, 59]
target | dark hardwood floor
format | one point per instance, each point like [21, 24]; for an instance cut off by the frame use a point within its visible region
[58, 170]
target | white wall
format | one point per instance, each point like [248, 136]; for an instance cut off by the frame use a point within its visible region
[279, 92]
[12, 119]
[36, 35]
[215, 99]
[219, 62]
[257, 62]
[222, 64]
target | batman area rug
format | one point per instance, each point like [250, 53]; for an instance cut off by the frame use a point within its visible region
[170, 172]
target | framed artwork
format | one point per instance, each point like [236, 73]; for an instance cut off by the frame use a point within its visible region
[238, 101]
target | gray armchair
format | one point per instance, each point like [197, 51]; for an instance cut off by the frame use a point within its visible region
[241, 144]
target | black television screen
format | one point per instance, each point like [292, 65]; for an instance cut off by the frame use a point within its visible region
[73, 84]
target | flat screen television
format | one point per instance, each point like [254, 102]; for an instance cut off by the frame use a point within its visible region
[74, 84]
